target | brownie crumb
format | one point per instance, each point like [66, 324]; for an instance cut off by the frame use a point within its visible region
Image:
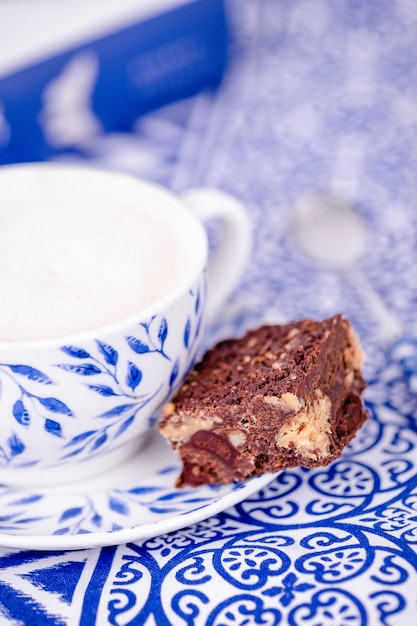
[281, 396]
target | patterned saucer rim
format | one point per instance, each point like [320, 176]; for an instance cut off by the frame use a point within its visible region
[194, 513]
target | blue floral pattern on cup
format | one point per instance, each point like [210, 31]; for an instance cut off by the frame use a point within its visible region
[116, 374]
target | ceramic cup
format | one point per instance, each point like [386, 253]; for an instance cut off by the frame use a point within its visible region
[81, 400]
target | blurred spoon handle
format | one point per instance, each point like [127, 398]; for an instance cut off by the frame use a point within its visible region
[390, 327]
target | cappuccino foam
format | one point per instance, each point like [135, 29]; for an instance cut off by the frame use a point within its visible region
[71, 267]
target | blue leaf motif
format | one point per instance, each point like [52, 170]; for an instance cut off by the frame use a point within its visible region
[87, 369]
[20, 413]
[118, 410]
[31, 373]
[30, 499]
[55, 406]
[163, 331]
[61, 531]
[118, 506]
[140, 491]
[81, 437]
[111, 355]
[146, 325]
[6, 518]
[174, 373]
[73, 453]
[162, 510]
[134, 376]
[30, 520]
[100, 441]
[197, 302]
[187, 331]
[74, 512]
[152, 420]
[15, 444]
[97, 520]
[53, 427]
[199, 325]
[174, 495]
[77, 353]
[103, 390]
[125, 425]
[137, 345]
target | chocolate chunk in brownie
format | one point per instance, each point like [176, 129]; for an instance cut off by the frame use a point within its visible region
[281, 396]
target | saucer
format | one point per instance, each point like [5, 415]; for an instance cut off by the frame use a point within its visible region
[135, 501]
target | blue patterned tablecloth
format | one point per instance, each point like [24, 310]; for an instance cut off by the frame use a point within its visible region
[321, 95]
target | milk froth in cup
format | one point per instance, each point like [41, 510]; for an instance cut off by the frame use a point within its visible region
[103, 308]
[58, 278]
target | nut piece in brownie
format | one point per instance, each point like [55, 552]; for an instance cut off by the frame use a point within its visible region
[282, 396]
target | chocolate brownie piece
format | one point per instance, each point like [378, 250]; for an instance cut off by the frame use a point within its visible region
[281, 396]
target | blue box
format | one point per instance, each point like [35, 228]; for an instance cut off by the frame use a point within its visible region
[52, 105]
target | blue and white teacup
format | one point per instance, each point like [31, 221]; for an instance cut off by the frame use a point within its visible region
[103, 308]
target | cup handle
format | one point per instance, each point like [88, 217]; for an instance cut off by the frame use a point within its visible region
[232, 251]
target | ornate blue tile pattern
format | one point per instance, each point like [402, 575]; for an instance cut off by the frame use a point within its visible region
[320, 96]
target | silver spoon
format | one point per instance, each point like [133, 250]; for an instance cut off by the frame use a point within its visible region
[332, 233]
